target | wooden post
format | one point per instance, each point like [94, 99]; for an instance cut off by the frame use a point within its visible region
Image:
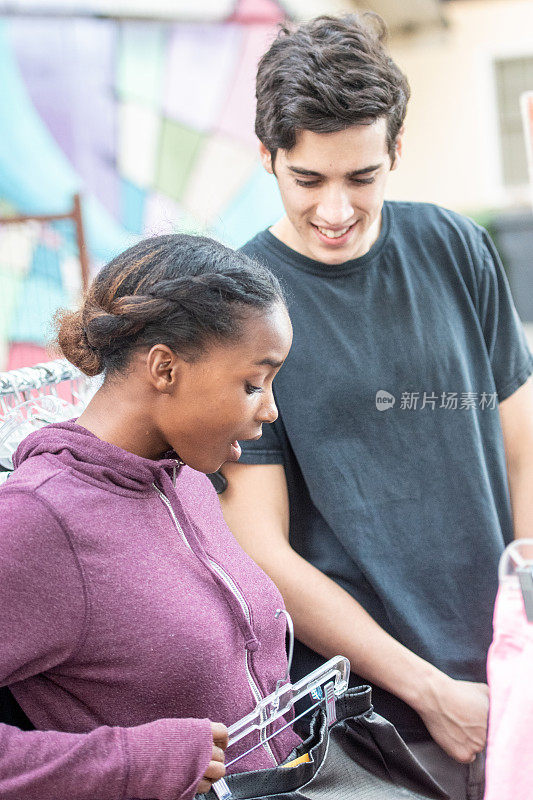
[74, 215]
[80, 238]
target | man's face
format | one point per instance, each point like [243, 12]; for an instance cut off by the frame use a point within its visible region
[332, 186]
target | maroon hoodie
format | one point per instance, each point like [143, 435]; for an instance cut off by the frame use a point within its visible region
[129, 617]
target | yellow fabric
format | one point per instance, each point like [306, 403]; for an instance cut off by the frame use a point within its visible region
[301, 760]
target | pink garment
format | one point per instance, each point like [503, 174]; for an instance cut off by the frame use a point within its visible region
[509, 771]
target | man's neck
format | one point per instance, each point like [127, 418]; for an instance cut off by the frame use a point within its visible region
[286, 233]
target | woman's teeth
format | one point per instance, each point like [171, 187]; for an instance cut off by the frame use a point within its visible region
[333, 234]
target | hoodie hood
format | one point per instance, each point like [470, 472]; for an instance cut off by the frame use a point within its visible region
[76, 448]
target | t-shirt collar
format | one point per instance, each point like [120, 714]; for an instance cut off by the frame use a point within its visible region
[307, 264]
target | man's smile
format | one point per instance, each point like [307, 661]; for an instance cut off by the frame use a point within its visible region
[334, 236]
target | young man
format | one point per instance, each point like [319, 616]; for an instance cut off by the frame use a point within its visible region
[379, 499]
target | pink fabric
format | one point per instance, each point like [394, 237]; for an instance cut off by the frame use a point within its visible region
[249, 11]
[26, 354]
[509, 773]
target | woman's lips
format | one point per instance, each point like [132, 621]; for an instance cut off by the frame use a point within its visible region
[235, 448]
[235, 451]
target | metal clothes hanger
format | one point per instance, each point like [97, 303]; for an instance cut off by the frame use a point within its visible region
[27, 416]
[29, 400]
[27, 378]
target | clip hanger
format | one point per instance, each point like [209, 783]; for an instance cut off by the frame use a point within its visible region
[516, 562]
[286, 694]
[23, 380]
[525, 577]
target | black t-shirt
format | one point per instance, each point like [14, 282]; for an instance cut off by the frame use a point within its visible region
[390, 435]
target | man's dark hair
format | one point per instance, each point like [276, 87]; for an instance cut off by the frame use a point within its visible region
[179, 290]
[325, 75]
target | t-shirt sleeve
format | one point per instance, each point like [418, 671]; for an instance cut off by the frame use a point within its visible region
[266, 450]
[504, 335]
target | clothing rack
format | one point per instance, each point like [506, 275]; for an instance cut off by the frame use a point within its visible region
[31, 397]
[25, 379]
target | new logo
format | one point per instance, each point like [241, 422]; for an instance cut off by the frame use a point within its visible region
[384, 400]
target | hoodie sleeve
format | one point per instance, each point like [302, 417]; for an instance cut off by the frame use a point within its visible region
[162, 760]
[42, 620]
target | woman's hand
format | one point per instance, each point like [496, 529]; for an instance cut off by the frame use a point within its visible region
[216, 768]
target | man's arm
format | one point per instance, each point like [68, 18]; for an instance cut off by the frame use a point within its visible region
[516, 414]
[331, 622]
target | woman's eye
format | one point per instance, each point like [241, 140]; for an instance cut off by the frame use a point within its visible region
[251, 389]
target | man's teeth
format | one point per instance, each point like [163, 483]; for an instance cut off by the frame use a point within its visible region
[333, 234]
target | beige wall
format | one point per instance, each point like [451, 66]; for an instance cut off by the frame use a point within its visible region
[451, 144]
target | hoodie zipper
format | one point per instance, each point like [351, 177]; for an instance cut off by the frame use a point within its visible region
[236, 592]
[230, 583]
[166, 501]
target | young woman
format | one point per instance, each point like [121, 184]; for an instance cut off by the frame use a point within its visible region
[131, 622]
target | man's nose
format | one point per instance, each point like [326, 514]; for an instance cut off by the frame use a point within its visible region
[334, 207]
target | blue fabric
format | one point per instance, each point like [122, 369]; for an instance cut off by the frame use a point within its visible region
[257, 204]
[406, 505]
[32, 317]
[45, 265]
[35, 175]
[133, 200]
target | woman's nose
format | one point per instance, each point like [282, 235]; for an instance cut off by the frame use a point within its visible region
[269, 410]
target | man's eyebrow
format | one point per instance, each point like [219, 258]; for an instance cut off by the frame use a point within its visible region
[302, 171]
[364, 170]
[313, 174]
[270, 362]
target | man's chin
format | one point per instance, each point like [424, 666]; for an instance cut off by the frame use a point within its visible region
[332, 257]
[332, 254]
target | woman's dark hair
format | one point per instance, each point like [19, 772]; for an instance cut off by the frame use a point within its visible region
[178, 290]
[325, 75]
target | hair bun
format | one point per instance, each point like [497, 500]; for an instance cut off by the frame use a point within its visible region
[74, 344]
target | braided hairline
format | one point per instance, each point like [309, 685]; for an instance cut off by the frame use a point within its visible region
[151, 306]
[178, 290]
[229, 288]
[168, 296]
[118, 319]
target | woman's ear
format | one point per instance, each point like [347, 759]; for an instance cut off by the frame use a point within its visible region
[163, 368]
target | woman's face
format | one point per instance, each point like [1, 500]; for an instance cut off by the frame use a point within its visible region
[225, 395]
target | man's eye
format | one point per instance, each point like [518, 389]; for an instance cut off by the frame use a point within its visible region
[363, 180]
[307, 183]
[251, 389]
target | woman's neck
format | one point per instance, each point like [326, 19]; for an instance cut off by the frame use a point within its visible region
[119, 414]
